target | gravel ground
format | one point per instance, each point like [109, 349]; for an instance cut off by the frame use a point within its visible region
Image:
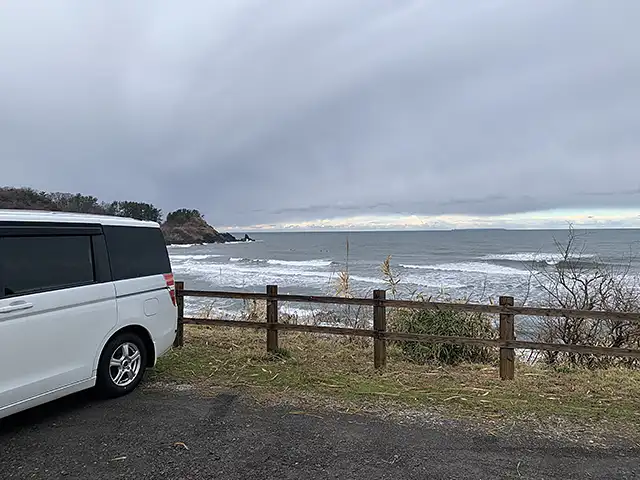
[158, 434]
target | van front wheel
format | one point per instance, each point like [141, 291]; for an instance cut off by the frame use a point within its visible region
[121, 365]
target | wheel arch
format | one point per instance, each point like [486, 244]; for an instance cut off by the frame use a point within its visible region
[138, 330]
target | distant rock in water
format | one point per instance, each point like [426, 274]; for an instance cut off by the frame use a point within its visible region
[189, 227]
[247, 238]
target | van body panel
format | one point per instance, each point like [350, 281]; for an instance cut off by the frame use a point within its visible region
[45, 397]
[132, 295]
[52, 344]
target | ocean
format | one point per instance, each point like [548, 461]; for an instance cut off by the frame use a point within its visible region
[479, 265]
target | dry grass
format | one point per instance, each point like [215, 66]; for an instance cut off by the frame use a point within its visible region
[332, 370]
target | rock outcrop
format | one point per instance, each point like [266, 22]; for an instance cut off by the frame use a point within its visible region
[189, 227]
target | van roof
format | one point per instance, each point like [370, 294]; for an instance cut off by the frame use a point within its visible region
[66, 217]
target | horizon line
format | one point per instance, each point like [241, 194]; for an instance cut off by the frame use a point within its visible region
[413, 230]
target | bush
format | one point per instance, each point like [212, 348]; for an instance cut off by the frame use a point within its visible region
[583, 282]
[449, 323]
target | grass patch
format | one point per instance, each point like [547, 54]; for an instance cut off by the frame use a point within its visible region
[340, 371]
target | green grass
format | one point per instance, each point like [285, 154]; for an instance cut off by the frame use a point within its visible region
[336, 371]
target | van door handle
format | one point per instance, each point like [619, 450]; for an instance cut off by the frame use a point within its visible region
[14, 307]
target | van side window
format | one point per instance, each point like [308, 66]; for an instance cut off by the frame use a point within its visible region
[136, 252]
[39, 263]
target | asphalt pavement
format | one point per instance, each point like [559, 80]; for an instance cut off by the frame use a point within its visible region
[161, 434]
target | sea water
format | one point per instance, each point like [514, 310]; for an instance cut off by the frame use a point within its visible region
[478, 265]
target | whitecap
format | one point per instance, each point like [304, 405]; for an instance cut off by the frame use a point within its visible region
[471, 267]
[193, 257]
[528, 257]
[242, 242]
[288, 263]
[301, 263]
[246, 260]
[242, 274]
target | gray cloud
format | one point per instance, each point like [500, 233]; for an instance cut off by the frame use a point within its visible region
[260, 112]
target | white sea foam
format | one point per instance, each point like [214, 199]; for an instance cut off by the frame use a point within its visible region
[250, 261]
[290, 263]
[549, 258]
[301, 263]
[193, 257]
[472, 267]
[186, 245]
[242, 274]
[242, 242]
[297, 311]
[225, 310]
[434, 281]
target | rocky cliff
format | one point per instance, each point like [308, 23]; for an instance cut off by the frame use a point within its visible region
[189, 227]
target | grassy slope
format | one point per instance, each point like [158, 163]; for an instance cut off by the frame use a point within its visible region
[320, 371]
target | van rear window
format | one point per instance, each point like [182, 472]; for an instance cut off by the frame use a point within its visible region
[136, 252]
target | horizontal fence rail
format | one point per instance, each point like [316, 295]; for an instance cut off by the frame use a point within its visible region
[420, 305]
[507, 342]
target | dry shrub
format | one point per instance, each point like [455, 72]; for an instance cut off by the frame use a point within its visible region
[436, 322]
[353, 316]
[583, 282]
[447, 323]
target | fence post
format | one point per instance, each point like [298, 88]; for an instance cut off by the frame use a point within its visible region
[179, 340]
[379, 326]
[272, 319]
[507, 355]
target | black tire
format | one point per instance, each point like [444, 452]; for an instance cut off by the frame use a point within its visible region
[106, 387]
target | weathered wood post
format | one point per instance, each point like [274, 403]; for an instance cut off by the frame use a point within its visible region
[379, 327]
[272, 319]
[179, 340]
[507, 333]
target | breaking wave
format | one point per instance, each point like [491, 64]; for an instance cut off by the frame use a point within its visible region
[470, 267]
[535, 257]
[290, 263]
[193, 257]
[186, 245]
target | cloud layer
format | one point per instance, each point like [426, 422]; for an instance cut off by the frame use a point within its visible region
[286, 112]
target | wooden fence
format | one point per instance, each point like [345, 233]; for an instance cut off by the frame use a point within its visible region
[506, 342]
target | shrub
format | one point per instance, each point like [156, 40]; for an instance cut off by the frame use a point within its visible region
[449, 323]
[583, 282]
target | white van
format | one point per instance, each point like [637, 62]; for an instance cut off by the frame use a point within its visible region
[85, 301]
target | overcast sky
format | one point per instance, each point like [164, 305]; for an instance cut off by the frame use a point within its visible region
[334, 112]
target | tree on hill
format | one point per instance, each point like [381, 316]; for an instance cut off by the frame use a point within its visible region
[26, 199]
[30, 199]
[137, 210]
[76, 202]
[184, 215]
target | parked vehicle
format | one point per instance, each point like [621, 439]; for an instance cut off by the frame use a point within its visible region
[85, 301]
